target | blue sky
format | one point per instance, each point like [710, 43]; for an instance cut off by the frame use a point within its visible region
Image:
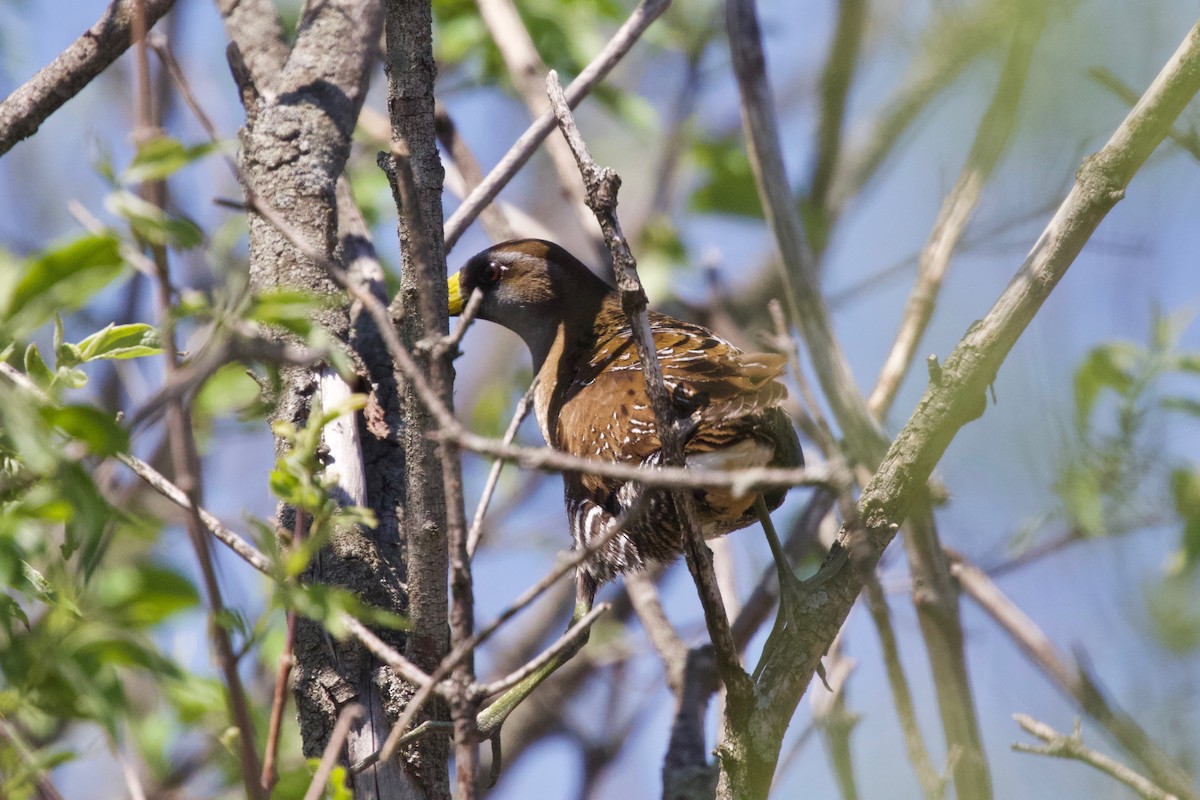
[1000, 468]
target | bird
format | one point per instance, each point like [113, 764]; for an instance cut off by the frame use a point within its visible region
[591, 401]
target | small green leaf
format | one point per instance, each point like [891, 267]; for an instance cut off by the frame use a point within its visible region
[1185, 491]
[64, 278]
[45, 591]
[1109, 366]
[11, 609]
[152, 224]
[121, 342]
[1187, 405]
[161, 157]
[1083, 498]
[292, 309]
[145, 595]
[72, 378]
[229, 389]
[1173, 610]
[1188, 362]
[95, 428]
[36, 368]
[727, 186]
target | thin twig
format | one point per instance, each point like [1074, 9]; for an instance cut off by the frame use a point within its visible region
[333, 751]
[1072, 747]
[1189, 140]
[270, 775]
[836, 77]
[949, 46]
[932, 784]
[602, 186]
[643, 593]
[527, 71]
[625, 37]
[524, 406]
[992, 137]
[1071, 678]
[563, 643]
[184, 456]
[834, 720]
[493, 217]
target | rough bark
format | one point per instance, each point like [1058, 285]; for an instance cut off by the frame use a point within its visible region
[411, 70]
[301, 111]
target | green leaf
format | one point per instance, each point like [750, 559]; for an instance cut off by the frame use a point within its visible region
[161, 157]
[45, 590]
[1187, 405]
[292, 309]
[326, 604]
[64, 278]
[196, 698]
[121, 342]
[36, 368]
[1173, 609]
[145, 595]
[10, 609]
[95, 428]
[152, 224]
[1185, 491]
[91, 512]
[727, 186]
[1083, 498]
[1188, 362]
[229, 389]
[1109, 366]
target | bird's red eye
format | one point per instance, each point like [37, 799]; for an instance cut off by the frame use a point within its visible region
[490, 274]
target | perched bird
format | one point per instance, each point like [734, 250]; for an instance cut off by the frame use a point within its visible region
[591, 401]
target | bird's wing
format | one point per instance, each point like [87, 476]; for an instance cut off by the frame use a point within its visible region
[697, 364]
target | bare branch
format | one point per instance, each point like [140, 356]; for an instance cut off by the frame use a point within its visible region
[564, 642]
[493, 218]
[836, 78]
[1071, 747]
[524, 406]
[991, 141]
[1071, 679]
[932, 784]
[1189, 140]
[625, 37]
[23, 111]
[333, 751]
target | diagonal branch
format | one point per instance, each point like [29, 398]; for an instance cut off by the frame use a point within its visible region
[528, 71]
[957, 394]
[23, 111]
[1071, 747]
[991, 141]
[1072, 680]
[625, 37]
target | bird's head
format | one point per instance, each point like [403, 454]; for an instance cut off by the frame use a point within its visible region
[530, 286]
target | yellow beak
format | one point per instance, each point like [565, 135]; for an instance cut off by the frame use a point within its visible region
[454, 290]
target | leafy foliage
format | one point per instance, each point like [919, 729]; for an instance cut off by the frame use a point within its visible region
[1117, 465]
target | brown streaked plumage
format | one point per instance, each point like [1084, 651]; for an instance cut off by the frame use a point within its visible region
[591, 399]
